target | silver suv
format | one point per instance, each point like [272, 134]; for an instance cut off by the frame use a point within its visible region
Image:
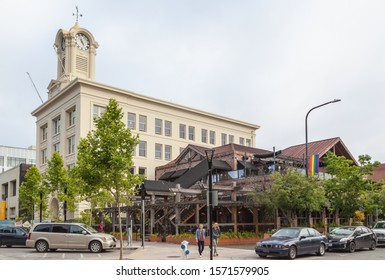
[379, 230]
[55, 236]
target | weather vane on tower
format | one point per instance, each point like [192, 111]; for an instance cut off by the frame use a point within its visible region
[77, 14]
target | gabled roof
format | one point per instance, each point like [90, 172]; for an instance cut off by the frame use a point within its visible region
[320, 147]
[198, 152]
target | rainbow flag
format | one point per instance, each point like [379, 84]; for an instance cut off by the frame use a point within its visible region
[313, 165]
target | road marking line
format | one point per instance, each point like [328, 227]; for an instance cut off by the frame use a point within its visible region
[44, 255]
[99, 255]
[63, 256]
[81, 256]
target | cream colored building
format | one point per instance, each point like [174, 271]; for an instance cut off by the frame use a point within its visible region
[164, 128]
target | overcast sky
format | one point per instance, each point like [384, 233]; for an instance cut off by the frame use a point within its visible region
[263, 62]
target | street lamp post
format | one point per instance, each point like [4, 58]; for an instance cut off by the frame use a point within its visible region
[306, 158]
[143, 224]
[209, 157]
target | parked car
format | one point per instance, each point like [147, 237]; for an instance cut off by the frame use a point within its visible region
[350, 238]
[12, 236]
[379, 230]
[55, 236]
[290, 242]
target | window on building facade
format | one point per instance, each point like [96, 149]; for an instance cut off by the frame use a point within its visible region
[142, 148]
[71, 144]
[1, 160]
[191, 133]
[56, 147]
[248, 142]
[44, 156]
[70, 166]
[231, 139]
[167, 128]
[12, 211]
[224, 139]
[142, 123]
[4, 190]
[131, 121]
[241, 141]
[212, 137]
[98, 111]
[15, 161]
[13, 187]
[158, 126]
[56, 126]
[158, 150]
[132, 170]
[167, 152]
[182, 131]
[44, 132]
[204, 135]
[71, 116]
[142, 171]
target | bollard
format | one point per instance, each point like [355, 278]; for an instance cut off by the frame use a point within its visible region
[185, 250]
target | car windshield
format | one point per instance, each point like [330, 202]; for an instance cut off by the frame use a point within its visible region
[90, 229]
[287, 232]
[343, 231]
[380, 225]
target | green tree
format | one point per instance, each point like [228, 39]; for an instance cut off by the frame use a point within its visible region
[57, 180]
[293, 193]
[347, 190]
[32, 195]
[104, 161]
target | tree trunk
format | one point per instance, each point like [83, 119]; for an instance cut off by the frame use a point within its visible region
[120, 233]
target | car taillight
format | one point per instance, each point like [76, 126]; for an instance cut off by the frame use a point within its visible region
[29, 236]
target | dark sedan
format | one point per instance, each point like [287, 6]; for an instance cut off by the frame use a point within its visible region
[350, 238]
[10, 236]
[290, 242]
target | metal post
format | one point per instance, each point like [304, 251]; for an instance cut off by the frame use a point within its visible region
[142, 192]
[306, 145]
[210, 154]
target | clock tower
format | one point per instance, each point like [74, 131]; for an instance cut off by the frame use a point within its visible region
[76, 51]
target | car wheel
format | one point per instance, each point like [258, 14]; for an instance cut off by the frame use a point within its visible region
[262, 256]
[292, 252]
[96, 247]
[321, 250]
[373, 245]
[41, 246]
[352, 247]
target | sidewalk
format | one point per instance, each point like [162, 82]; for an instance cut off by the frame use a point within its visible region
[167, 251]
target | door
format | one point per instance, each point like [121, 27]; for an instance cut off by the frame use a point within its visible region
[77, 237]
[19, 236]
[305, 242]
[59, 235]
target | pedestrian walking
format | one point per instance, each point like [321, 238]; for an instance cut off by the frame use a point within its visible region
[200, 236]
[216, 233]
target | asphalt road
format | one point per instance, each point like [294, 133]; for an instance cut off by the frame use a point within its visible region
[244, 252]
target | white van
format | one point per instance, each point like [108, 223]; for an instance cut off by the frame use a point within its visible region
[55, 236]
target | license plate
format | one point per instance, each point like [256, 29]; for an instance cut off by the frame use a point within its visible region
[330, 245]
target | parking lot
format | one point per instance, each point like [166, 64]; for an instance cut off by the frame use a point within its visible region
[165, 251]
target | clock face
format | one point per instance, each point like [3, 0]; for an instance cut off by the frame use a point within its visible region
[82, 41]
[63, 44]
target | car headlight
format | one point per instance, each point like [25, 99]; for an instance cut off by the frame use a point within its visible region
[345, 240]
[259, 244]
